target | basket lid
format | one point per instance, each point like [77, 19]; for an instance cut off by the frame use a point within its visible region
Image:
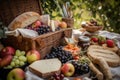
[9, 9]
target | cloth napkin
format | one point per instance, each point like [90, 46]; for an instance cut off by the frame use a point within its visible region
[24, 32]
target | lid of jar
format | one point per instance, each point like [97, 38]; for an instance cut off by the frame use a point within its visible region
[84, 38]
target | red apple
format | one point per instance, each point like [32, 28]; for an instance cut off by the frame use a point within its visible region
[76, 57]
[16, 74]
[0, 60]
[110, 43]
[37, 23]
[7, 51]
[94, 39]
[32, 55]
[63, 24]
[68, 69]
[5, 60]
[77, 79]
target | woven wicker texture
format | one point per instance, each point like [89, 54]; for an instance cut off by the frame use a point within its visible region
[69, 21]
[9, 9]
[42, 43]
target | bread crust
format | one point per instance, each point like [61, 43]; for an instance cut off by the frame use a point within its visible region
[23, 20]
[104, 67]
[95, 51]
[99, 74]
[47, 75]
[114, 49]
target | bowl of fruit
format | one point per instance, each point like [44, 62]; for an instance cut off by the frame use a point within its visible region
[76, 68]
[91, 26]
[10, 59]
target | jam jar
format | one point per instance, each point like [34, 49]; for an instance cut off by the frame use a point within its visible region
[83, 42]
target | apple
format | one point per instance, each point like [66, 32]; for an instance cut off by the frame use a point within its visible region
[77, 79]
[76, 57]
[110, 43]
[68, 69]
[7, 51]
[32, 55]
[16, 74]
[0, 60]
[1, 46]
[94, 39]
[63, 24]
[37, 23]
[56, 22]
[5, 60]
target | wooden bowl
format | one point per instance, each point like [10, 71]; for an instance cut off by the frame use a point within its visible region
[93, 28]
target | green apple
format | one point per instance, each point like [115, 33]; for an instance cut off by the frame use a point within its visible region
[32, 55]
[16, 74]
[68, 69]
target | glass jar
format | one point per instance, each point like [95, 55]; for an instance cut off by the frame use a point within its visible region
[83, 42]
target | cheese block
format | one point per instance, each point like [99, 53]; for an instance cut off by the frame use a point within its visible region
[95, 51]
[24, 20]
[45, 68]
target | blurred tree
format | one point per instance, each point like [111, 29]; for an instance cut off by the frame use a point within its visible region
[106, 12]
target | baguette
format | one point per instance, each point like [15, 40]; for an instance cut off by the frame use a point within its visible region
[95, 51]
[23, 20]
[104, 67]
[99, 74]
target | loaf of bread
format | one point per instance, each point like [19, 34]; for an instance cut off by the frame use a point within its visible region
[45, 68]
[95, 51]
[99, 74]
[23, 20]
[114, 49]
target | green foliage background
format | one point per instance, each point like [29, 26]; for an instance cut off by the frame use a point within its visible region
[106, 12]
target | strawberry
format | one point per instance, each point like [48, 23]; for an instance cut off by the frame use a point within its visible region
[102, 40]
[94, 39]
[110, 43]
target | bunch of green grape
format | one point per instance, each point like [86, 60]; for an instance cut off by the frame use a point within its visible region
[19, 59]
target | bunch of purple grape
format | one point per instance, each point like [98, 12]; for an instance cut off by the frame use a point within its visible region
[80, 68]
[43, 29]
[59, 53]
[57, 76]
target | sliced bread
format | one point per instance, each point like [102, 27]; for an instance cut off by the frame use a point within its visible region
[45, 68]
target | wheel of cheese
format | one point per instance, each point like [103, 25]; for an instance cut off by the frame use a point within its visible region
[96, 51]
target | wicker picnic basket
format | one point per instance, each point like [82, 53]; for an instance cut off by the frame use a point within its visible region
[69, 21]
[9, 9]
